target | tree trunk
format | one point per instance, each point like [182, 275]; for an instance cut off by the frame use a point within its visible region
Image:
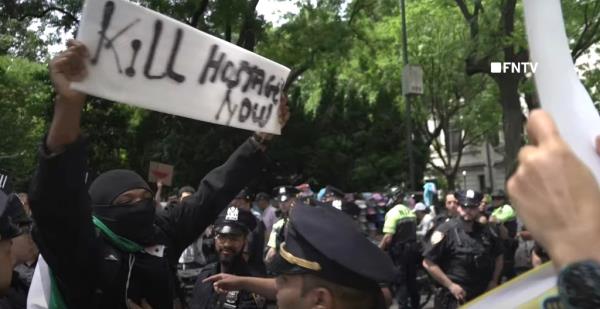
[451, 180]
[512, 119]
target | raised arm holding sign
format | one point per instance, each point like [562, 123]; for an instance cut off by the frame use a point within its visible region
[108, 241]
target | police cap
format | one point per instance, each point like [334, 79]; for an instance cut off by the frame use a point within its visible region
[284, 193]
[333, 191]
[262, 196]
[245, 194]
[469, 198]
[234, 220]
[326, 243]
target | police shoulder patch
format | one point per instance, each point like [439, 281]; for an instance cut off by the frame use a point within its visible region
[437, 237]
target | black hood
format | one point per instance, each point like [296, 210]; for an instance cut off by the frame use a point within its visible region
[111, 184]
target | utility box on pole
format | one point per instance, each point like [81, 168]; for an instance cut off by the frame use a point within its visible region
[412, 79]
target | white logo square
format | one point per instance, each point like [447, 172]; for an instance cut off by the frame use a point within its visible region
[495, 67]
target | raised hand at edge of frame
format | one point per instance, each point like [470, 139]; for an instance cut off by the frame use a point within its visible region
[556, 195]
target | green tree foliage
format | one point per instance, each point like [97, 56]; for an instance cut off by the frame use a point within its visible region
[23, 25]
[497, 33]
[24, 97]
[348, 124]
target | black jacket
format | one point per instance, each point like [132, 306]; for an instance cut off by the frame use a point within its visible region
[467, 258]
[89, 272]
[204, 296]
[16, 297]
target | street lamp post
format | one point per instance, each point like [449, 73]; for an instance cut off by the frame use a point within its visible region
[464, 173]
[409, 146]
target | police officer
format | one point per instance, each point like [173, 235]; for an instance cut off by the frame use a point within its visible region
[506, 219]
[232, 228]
[341, 270]
[286, 199]
[255, 248]
[332, 194]
[400, 240]
[464, 256]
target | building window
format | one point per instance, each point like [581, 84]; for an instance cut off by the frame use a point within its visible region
[454, 140]
[481, 179]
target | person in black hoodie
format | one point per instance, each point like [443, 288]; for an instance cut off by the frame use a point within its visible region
[108, 246]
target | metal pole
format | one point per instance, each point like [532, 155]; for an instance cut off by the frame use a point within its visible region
[409, 148]
[490, 167]
[404, 38]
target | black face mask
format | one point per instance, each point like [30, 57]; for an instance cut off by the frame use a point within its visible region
[132, 221]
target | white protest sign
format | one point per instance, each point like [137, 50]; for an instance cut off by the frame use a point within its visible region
[559, 88]
[160, 172]
[145, 59]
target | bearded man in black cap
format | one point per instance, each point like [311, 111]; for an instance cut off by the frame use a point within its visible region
[108, 246]
[464, 256]
[232, 228]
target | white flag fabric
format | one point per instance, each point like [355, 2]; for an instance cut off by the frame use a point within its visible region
[558, 86]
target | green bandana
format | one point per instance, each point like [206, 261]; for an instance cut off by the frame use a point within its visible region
[122, 243]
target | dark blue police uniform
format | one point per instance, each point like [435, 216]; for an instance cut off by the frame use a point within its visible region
[466, 257]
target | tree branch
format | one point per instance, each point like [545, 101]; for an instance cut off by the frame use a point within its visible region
[589, 35]
[246, 36]
[508, 26]
[464, 10]
[228, 31]
[439, 169]
[433, 135]
[360, 5]
[198, 13]
[295, 74]
[461, 147]
[438, 150]
[48, 10]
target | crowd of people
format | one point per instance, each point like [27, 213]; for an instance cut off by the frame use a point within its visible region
[114, 243]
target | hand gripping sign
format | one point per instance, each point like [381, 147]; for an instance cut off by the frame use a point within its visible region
[145, 59]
